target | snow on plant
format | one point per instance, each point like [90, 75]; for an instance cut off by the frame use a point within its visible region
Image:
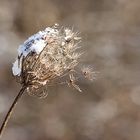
[45, 57]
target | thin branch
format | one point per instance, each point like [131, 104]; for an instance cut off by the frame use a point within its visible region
[9, 113]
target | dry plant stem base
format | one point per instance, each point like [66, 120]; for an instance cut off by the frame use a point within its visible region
[7, 117]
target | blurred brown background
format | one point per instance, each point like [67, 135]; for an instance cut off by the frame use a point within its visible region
[108, 108]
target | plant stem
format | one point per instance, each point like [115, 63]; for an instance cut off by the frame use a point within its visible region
[9, 113]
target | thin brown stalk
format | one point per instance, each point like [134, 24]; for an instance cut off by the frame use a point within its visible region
[9, 113]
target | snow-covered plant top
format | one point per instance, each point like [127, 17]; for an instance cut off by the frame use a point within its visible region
[34, 44]
[49, 55]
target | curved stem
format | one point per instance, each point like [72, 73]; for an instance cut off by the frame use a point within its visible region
[7, 117]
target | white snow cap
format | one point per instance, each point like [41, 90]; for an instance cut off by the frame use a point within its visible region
[35, 44]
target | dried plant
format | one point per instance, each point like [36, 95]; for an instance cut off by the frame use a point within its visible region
[45, 57]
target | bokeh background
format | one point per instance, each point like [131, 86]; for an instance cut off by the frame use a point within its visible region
[109, 107]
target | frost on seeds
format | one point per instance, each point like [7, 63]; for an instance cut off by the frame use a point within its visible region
[47, 56]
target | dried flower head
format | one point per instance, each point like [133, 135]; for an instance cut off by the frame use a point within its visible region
[45, 56]
[48, 55]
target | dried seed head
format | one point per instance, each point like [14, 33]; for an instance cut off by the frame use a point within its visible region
[45, 56]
